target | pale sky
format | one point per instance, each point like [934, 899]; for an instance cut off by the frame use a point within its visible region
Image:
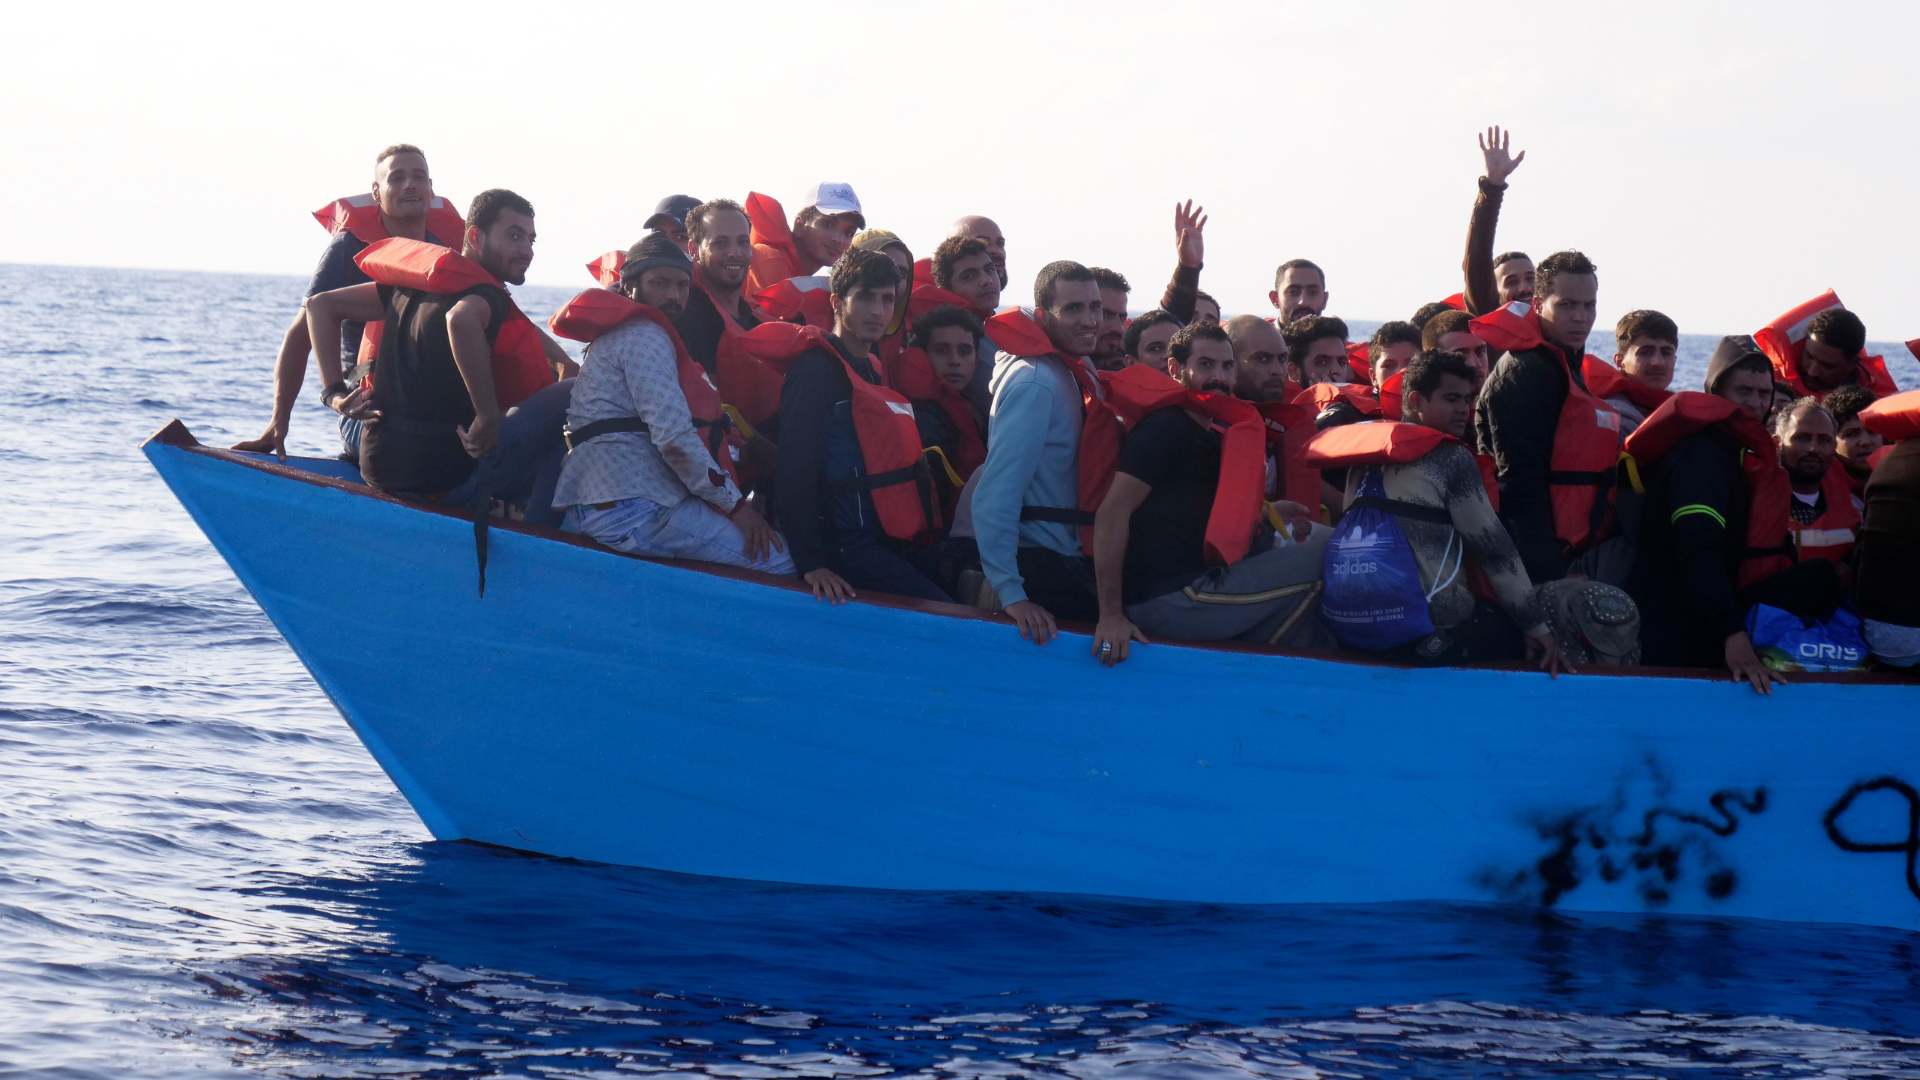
[1719, 162]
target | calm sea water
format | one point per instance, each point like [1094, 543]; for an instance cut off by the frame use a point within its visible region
[202, 873]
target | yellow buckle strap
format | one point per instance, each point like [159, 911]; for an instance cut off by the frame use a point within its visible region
[953, 475]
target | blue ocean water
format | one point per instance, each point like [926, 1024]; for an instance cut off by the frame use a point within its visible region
[202, 872]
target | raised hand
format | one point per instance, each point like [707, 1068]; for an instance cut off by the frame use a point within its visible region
[1189, 221]
[1493, 147]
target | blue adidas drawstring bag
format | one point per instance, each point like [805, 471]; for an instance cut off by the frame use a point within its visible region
[1373, 599]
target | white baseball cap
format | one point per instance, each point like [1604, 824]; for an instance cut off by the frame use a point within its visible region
[835, 198]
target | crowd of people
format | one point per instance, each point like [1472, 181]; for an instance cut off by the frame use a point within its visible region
[799, 395]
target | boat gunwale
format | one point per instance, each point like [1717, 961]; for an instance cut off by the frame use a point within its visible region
[175, 434]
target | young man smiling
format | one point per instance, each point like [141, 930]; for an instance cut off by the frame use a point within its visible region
[1022, 496]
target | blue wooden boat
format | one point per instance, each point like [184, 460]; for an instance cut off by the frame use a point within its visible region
[688, 718]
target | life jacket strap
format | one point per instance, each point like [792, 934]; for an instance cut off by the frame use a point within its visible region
[1432, 515]
[904, 475]
[575, 436]
[1058, 515]
[953, 474]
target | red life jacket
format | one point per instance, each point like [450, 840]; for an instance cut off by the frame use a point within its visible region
[520, 363]
[896, 476]
[1320, 395]
[1288, 428]
[1586, 437]
[1604, 380]
[1380, 442]
[1913, 346]
[927, 297]
[1360, 359]
[1113, 403]
[360, 215]
[1458, 301]
[1768, 547]
[1390, 395]
[922, 272]
[1831, 535]
[911, 373]
[606, 269]
[1894, 417]
[1784, 340]
[769, 228]
[796, 300]
[1386, 442]
[596, 311]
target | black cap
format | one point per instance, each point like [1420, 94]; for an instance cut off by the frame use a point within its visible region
[673, 208]
[1732, 350]
[654, 249]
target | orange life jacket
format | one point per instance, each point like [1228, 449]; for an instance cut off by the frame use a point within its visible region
[911, 373]
[1112, 403]
[1604, 381]
[596, 311]
[775, 258]
[1320, 395]
[1894, 417]
[1768, 546]
[520, 363]
[1784, 340]
[796, 300]
[360, 215]
[1288, 427]
[1360, 359]
[927, 297]
[1377, 442]
[1586, 436]
[1831, 535]
[896, 476]
[606, 269]
[1390, 395]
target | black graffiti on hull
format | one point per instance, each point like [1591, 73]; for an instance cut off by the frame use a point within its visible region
[1672, 845]
[1910, 847]
[1728, 823]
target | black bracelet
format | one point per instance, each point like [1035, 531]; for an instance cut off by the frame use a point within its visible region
[340, 388]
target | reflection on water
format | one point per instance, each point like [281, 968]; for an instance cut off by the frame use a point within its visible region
[481, 958]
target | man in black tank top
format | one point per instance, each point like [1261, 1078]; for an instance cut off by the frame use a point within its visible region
[435, 425]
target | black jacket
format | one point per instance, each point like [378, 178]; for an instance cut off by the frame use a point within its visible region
[1686, 580]
[1887, 586]
[1515, 420]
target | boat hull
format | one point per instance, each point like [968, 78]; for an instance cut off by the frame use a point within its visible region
[624, 710]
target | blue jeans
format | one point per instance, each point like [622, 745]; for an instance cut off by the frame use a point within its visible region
[524, 465]
[691, 530]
